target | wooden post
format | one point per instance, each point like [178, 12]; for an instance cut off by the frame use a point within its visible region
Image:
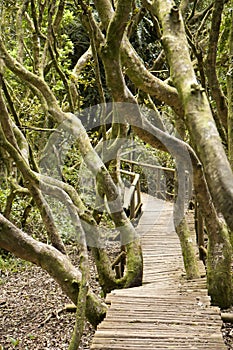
[199, 227]
[132, 206]
[139, 193]
[158, 183]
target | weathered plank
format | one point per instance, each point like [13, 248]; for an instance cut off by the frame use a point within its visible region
[167, 311]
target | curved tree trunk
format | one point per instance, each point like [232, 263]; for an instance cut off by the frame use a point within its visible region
[207, 142]
[73, 125]
[219, 253]
[55, 263]
[198, 116]
[135, 69]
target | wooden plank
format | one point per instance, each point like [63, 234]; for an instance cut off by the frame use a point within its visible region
[167, 312]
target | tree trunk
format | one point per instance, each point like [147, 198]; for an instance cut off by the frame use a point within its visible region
[219, 253]
[210, 64]
[182, 229]
[73, 125]
[198, 117]
[135, 69]
[55, 263]
[219, 276]
[230, 97]
[205, 137]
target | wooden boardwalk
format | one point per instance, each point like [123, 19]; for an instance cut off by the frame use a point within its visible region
[167, 311]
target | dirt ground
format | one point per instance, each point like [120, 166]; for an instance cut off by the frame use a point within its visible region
[31, 316]
[33, 313]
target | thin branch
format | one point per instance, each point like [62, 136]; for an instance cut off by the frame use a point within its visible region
[62, 76]
[97, 73]
[81, 63]
[211, 71]
[35, 38]
[199, 16]
[135, 20]
[201, 26]
[59, 15]
[19, 30]
[195, 3]
[27, 127]
[30, 78]
[198, 53]
[5, 121]
[10, 102]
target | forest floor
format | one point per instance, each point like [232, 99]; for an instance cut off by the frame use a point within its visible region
[32, 310]
[33, 313]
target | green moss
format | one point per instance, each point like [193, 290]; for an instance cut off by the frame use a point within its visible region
[189, 257]
[219, 277]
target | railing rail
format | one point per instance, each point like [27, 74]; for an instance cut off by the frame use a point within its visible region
[159, 188]
[146, 165]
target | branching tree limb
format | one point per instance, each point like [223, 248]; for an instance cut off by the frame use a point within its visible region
[8, 142]
[135, 68]
[108, 188]
[55, 263]
[211, 72]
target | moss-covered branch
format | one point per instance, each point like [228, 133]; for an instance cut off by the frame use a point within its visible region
[135, 68]
[30, 180]
[211, 72]
[198, 116]
[230, 96]
[55, 263]
[181, 226]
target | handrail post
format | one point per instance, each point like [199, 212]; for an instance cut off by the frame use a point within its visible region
[132, 206]
[130, 202]
[138, 192]
[159, 184]
[199, 227]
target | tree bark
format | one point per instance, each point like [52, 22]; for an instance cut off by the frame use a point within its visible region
[10, 144]
[219, 253]
[214, 84]
[182, 229]
[230, 97]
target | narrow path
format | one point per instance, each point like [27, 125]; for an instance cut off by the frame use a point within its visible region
[167, 311]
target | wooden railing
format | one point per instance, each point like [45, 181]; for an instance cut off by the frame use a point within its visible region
[159, 175]
[132, 198]
[163, 186]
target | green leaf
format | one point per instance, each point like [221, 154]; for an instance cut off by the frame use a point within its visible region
[14, 341]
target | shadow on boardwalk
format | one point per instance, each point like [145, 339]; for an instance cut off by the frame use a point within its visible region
[167, 311]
